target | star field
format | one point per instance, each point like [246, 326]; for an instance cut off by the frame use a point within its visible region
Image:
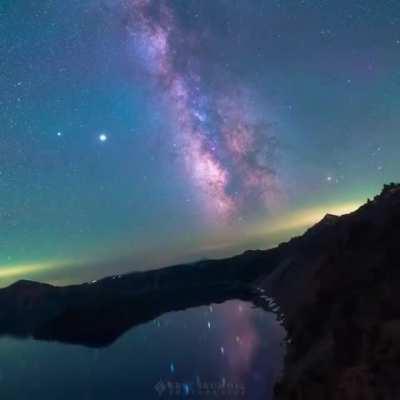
[139, 133]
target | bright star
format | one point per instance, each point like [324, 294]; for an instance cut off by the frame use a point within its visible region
[103, 137]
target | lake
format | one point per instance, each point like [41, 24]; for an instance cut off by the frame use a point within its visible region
[231, 350]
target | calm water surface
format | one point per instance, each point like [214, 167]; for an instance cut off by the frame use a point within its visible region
[227, 351]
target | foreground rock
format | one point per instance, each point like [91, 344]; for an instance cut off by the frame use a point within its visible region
[339, 286]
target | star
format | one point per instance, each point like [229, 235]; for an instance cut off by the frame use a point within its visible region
[103, 137]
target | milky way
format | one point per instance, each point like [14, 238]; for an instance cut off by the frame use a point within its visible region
[226, 147]
[137, 133]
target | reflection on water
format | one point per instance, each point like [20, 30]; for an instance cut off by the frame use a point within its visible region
[229, 350]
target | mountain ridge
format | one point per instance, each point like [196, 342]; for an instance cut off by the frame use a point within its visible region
[340, 295]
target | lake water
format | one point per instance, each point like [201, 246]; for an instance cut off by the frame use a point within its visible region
[227, 351]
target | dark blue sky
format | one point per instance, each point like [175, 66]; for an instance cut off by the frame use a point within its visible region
[139, 133]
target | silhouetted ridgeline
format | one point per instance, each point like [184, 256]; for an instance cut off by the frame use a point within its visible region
[96, 313]
[338, 286]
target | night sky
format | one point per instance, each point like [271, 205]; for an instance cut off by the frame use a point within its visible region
[139, 133]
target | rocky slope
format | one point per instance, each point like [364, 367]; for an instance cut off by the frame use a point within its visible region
[339, 286]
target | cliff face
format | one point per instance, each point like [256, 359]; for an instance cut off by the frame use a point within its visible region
[339, 286]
